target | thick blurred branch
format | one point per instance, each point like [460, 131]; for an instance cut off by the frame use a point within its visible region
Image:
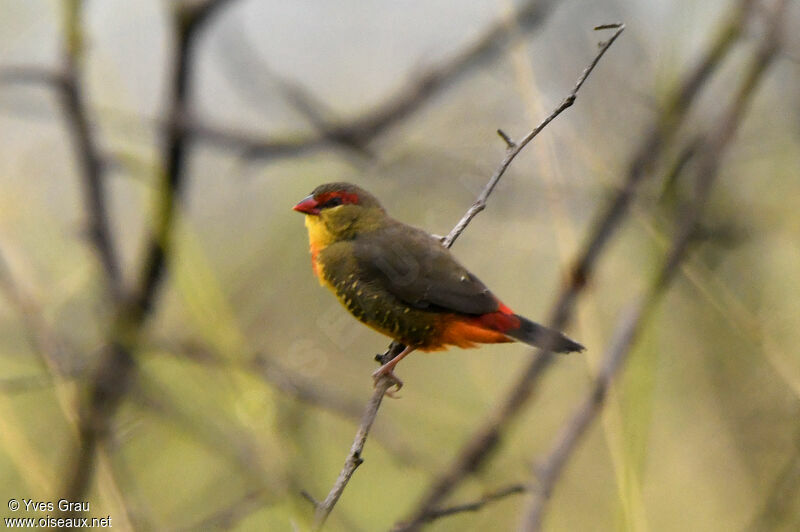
[299, 388]
[38, 334]
[782, 502]
[632, 322]
[353, 460]
[190, 19]
[356, 133]
[61, 368]
[485, 439]
[228, 517]
[237, 446]
[25, 74]
[76, 113]
[117, 366]
[361, 131]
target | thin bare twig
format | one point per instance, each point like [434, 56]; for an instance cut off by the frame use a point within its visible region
[513, 149]
[632, 322]
[480, 445]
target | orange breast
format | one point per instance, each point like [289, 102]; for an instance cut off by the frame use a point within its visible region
[314, 253]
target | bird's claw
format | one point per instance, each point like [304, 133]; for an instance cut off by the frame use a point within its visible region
[394, 381]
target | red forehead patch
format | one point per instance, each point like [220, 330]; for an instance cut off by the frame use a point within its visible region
[345, 197]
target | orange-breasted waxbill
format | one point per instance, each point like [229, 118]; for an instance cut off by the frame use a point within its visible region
[403, 283]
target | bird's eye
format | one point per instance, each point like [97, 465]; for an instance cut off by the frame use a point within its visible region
[333, 202]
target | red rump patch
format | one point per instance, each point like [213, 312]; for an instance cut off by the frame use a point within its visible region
[503, 320]
[504, 309]
[465, 331]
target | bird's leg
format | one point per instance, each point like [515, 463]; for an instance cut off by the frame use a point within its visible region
[387, 369]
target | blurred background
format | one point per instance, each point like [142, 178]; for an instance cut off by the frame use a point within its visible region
[208, 390]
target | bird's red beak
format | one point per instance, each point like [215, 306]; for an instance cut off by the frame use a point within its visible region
[308, 206]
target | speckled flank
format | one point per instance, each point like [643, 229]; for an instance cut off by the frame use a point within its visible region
[383, 312]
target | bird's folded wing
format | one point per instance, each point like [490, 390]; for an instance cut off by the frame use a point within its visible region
[414, 267]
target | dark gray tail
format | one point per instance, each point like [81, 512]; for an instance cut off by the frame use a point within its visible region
[540, 336]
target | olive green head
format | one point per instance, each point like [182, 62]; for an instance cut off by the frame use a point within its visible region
[340, 211]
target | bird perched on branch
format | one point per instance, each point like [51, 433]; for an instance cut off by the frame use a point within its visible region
[404, 283]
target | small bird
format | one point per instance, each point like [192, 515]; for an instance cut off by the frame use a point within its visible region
[404, 283]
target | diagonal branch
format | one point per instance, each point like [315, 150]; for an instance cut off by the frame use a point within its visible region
[632, 322]
[295, 386]
[228, 517]
[478, 448]
[474, 506]
[353, 460]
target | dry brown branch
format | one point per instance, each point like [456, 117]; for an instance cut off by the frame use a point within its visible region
[117, 366]
[479, 446]
[353, 460]
[632, 322]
